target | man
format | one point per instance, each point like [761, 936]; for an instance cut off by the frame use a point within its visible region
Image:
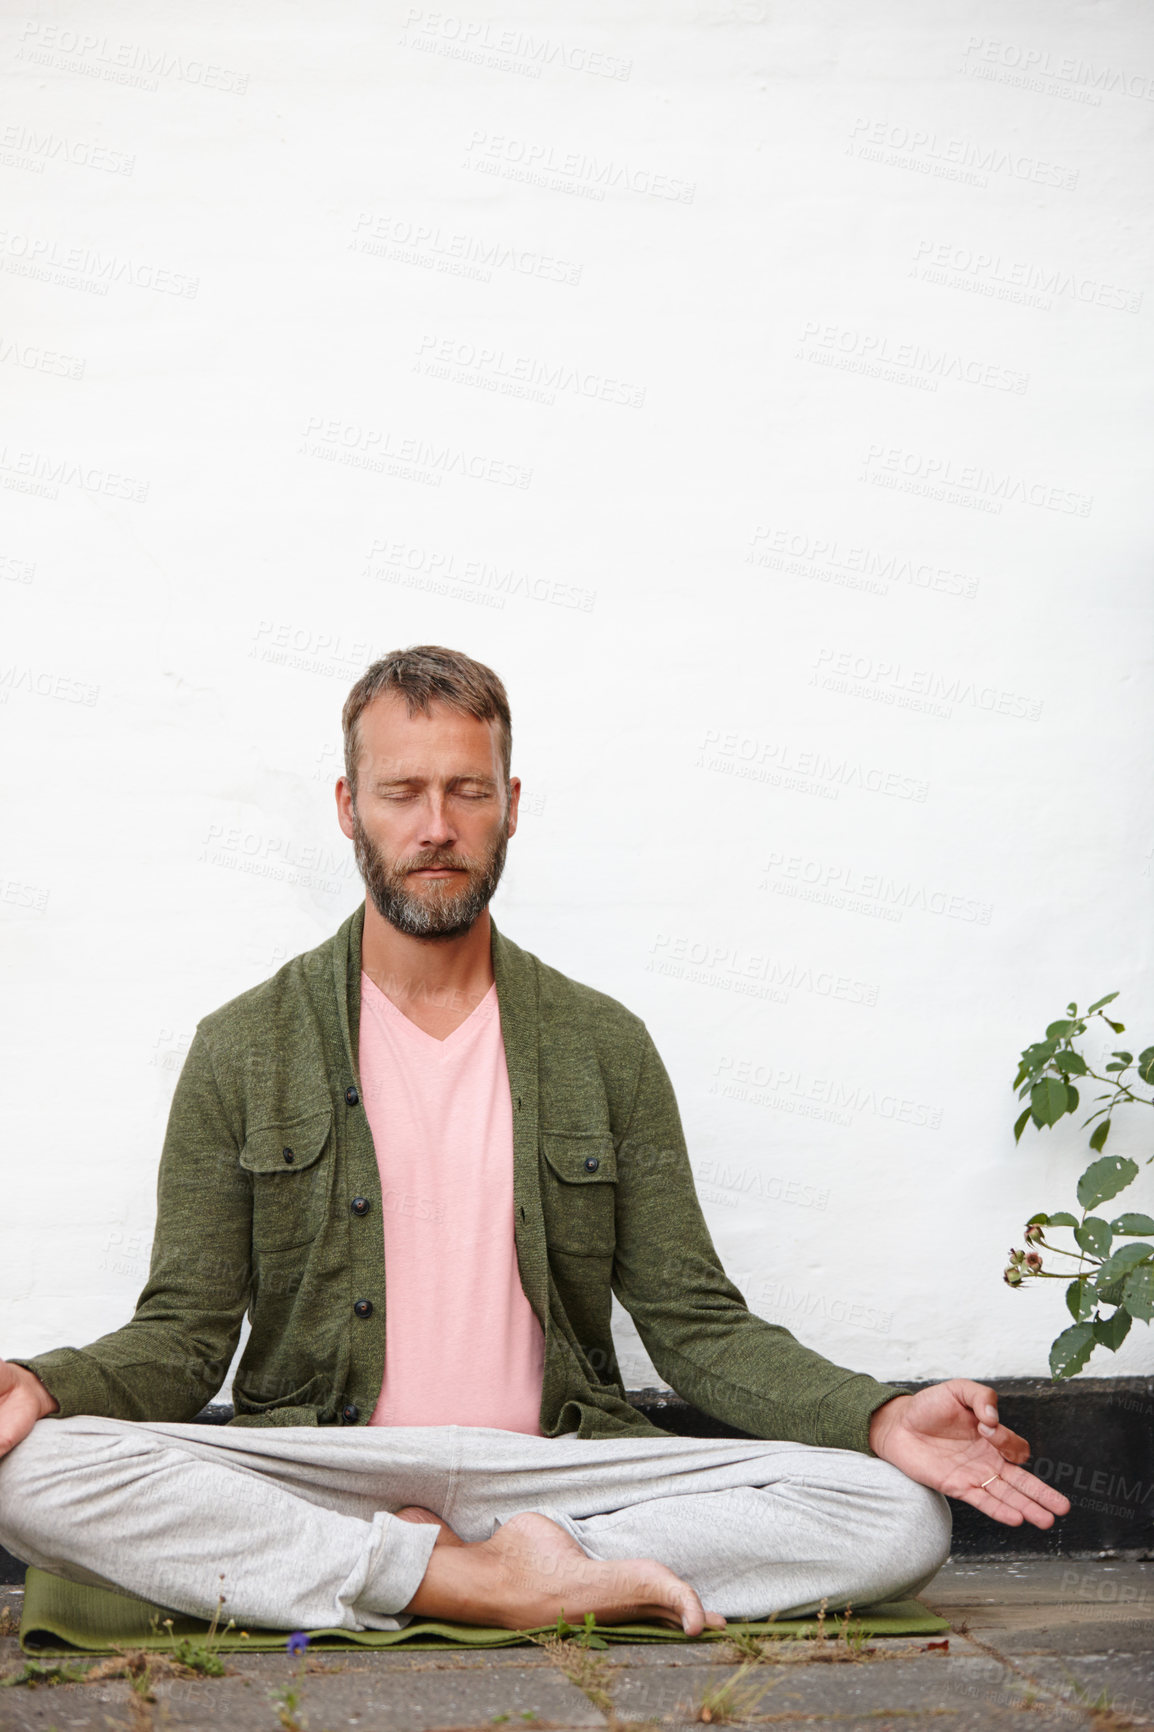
[423, 1161]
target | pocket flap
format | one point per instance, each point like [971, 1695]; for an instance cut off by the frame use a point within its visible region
[287, 1148]
[581, 1158]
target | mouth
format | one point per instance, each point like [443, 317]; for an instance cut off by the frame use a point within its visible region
[435, 872]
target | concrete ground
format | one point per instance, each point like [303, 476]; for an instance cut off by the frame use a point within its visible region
[1033, 1645]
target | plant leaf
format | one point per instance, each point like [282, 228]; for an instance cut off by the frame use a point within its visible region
[1059, 1030]
[1071, 1350]
[1138, 1293]
[1070, 1063]
[1035, 1058]
[1126, 1257]
[1118, 1027]
[1020, 1124]
[1098, 1136]
[1061, 1219]
[1109, 1292]
[1112, 1331]
[1146, 1065]
[1094, 1236]
[1109, 999]
[1080, 1300]
[1105, 1178]
[1048, 1099]
[1132, 1224]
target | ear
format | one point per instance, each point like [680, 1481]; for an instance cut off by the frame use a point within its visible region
[344, 797]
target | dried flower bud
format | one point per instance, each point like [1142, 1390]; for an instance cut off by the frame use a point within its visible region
[1033, 1232]
[1017, 1257]
[1033, 1261]
[1012, 1277]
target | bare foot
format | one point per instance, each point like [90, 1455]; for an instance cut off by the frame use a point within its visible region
[531, 1573]
[414, 1513]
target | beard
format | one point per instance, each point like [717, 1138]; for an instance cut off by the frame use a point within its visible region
[439, 911]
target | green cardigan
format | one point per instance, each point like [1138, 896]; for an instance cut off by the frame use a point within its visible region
[269, 1201]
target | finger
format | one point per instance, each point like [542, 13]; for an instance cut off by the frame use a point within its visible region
[978, 1397]
[690, 1610]
[1008, 1444]
[1029, 1486]
[1015, 1496]
[996, 1508]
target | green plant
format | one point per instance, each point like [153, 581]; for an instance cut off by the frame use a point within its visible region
[853, 1641]
[577, 1661]
[287, 1705]
[201, 1657]
[583, 1634]
[747, 1647]
[1118, 1277]
[204, 1661]
[287, 1701]
[34, 1673]
[735, 1699]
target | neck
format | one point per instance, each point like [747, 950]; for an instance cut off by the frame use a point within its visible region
[445, 973]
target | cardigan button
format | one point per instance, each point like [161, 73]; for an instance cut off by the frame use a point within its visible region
[351, 1095]
[351, 1413]
[363, 1307]
[592, 1164]
[288, 1155]
[360, 1205]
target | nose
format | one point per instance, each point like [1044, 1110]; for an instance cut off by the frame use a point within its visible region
[437, 829]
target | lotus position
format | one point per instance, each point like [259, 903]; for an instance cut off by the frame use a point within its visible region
[422, 1161]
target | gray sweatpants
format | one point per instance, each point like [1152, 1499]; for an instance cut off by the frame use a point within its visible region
[293, 1525]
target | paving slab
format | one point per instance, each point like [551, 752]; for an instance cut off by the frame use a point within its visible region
[1004, 1587]
[979, 1719]
[855, 1688]
[1088, 1635]
[363, 1693]
[1122, 1681]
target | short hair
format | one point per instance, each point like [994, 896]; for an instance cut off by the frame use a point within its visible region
[425, 674]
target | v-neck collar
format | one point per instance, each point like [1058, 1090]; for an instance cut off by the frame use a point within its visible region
[384, 1005]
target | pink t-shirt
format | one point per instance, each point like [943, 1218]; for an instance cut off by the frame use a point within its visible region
[462, 1343]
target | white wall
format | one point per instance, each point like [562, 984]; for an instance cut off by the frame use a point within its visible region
[821, 562]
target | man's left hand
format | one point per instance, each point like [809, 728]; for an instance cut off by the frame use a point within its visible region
[949, 1437]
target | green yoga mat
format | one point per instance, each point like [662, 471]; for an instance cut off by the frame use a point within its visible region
[64, 1617]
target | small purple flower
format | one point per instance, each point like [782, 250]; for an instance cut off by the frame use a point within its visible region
[297, 1642]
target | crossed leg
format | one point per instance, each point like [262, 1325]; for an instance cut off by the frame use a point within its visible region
[301, 1526]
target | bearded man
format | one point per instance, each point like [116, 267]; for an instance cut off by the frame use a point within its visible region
[423, 1162]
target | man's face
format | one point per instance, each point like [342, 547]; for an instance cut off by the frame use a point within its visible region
[431, 823]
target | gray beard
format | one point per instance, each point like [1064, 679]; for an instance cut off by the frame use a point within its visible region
[440, 912]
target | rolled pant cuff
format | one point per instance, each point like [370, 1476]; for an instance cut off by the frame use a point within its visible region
[397, 1558]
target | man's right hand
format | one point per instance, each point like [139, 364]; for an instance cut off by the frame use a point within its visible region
[23, 1400]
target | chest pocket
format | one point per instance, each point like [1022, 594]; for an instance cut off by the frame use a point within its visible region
[290, 1181]
[578, 1192]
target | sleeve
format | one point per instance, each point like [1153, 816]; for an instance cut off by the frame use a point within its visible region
[694, 1323]
[174, 1353]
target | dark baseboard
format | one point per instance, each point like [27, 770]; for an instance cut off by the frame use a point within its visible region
[1092, 1437]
